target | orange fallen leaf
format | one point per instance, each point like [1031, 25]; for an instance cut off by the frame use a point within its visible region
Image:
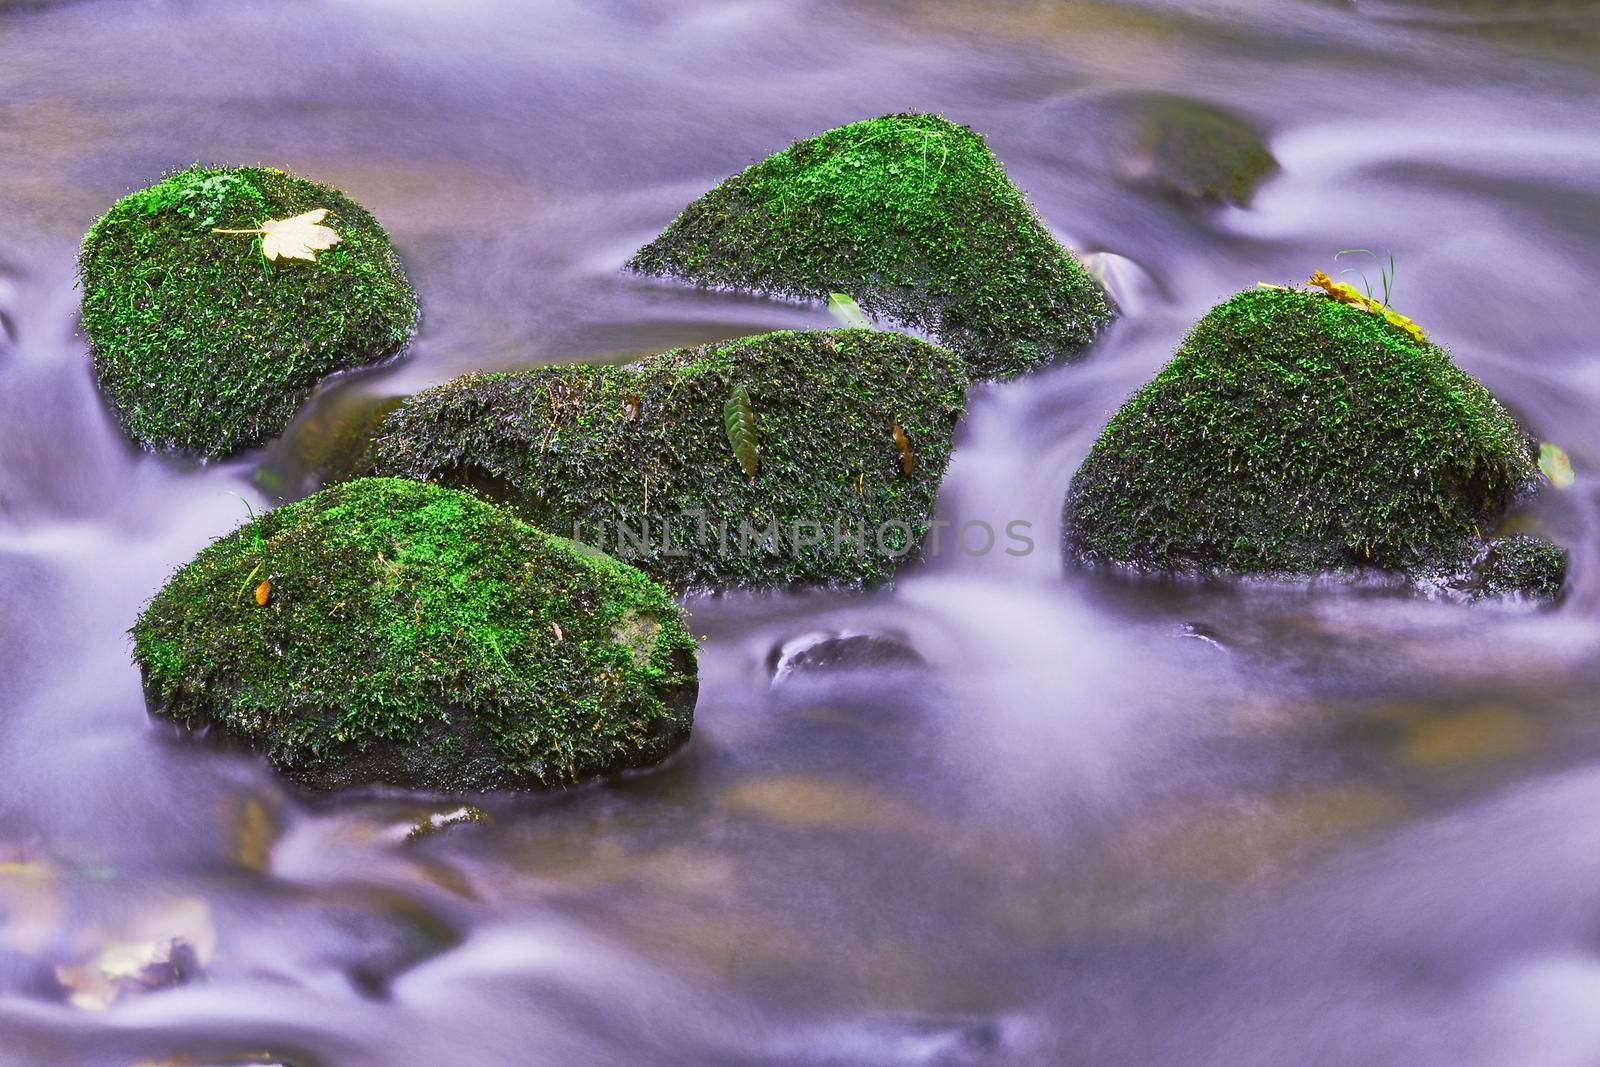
[902, 444]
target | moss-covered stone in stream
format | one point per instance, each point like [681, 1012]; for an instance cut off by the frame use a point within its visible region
[913, 217]
[1293, 434]
[202, 345]
[637, 460]
[417, 636]
[1520, 564]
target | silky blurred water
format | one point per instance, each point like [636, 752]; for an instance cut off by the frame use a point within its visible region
[1100, 824]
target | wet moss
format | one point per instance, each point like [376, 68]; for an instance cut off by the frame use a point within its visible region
[202, 345]
[418, 636]
[911, 215]
[1523, 565]
[637, 460]
[1292, 434]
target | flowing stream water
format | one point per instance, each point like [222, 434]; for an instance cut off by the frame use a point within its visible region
[1101, 824]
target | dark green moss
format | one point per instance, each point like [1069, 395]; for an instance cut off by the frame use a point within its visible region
[200, 344]
[1522, 565]
[1294, 434]
[637, 459]
[417, 636]
[911, 215]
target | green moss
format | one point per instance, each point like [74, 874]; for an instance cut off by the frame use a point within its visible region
[200, 344]
[911, 215]
[1293, 434]
[637, 459]
[1522, 565]
[418, 636]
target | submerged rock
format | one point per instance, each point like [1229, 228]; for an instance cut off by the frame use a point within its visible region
[440, 821]
[1124, 281]
[326, 443]
[825, 653]
[387, 631]
[1188, 150]
[200, 343]
[843, 436]
[913, 217]
[906, 1040]
[1292, 434]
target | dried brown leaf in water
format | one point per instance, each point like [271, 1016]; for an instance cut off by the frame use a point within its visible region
[162, 949]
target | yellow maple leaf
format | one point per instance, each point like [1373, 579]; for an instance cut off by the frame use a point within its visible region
[300, 237]
[1353, 297]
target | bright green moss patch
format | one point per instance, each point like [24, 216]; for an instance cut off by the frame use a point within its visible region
[911, 215]
[1293, 434]
[638, 461]
[417, 636]
[200, 344]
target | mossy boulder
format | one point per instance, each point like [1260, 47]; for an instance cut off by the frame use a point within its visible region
[1293, 434]
[200, 343]
[913, 217]
[638, 460]
[417, 636]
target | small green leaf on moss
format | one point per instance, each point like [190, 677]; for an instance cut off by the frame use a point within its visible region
[843, 307]
[739, 421]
